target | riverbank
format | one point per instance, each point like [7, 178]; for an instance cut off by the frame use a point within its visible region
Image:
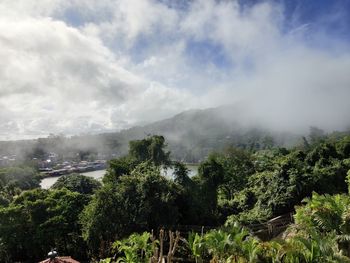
[73, 167]
[47, 182]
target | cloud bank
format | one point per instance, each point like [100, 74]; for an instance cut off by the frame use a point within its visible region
[72, 67]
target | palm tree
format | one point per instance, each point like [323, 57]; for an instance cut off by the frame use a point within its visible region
[326, 214]
[310, 246]
[136, 248]
[232, 245]
[218, 244]
[195, 243]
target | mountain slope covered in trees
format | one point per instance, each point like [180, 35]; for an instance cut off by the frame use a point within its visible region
[191, 136]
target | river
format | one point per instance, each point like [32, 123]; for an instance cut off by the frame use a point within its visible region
[47, 182]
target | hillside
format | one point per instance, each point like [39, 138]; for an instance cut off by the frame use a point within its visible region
[191, 135]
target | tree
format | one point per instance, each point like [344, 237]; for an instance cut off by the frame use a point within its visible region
[238, 166]
[77, 183]
[274, 190]
[316, 135]
[325, 215]
[103, 220]
[233, 244]
[142, 200]
[181, 174]
[38, 220]
[188, 196]
[150, 149]
[211, 175]
[330, 178]
[22, 177]
[313, 248]
[343, 147]
[135, 248]
[118, 167]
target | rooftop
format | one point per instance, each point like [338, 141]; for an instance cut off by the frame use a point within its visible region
[59, 260]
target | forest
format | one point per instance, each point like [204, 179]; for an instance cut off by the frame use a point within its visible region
[133, 215]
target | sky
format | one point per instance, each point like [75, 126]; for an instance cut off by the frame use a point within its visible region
[72, 67]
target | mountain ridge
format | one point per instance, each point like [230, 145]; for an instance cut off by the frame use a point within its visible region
[191, 135]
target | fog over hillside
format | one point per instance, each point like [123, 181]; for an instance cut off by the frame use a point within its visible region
[191, 136]
[72, 67]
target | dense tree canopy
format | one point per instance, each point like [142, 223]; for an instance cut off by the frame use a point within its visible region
[39, 220]
[21, 177]
[77, 183]
[142, 200]
[82, 217]
[13, 180]
[149, 149]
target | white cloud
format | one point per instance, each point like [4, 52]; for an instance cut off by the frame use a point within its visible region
[76, 66]
[302, 88]
[57, 79]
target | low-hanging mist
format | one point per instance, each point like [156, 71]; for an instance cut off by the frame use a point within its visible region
[75, 67]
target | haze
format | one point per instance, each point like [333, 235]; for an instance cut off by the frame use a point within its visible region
[71, 67]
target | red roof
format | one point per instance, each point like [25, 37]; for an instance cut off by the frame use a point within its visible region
[60, 260]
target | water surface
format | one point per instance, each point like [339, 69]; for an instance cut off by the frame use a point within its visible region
[46, 183]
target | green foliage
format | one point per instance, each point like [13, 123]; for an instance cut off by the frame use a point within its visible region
[189, 197]
[101, 219]
[282, 179]
[237, 245]
[149, 149]
[211, 171]
[21, 177]
[211, 175]
[316, 135]
[234, 244]
[77, 183]
[343, 147]
[325, 213]
[257, 214]
[136, 248]
[143, 199]
[311, 249]
[234, 185]
[238, 166]
[322, 154]
[13, 180]
[195, 243]
[330, 179]
[181, 174]
[348, 181]
[325, 217]
[118, 167]
[38, 220]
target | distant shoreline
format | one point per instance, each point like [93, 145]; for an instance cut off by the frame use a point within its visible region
[60, 172]
[47, 182]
